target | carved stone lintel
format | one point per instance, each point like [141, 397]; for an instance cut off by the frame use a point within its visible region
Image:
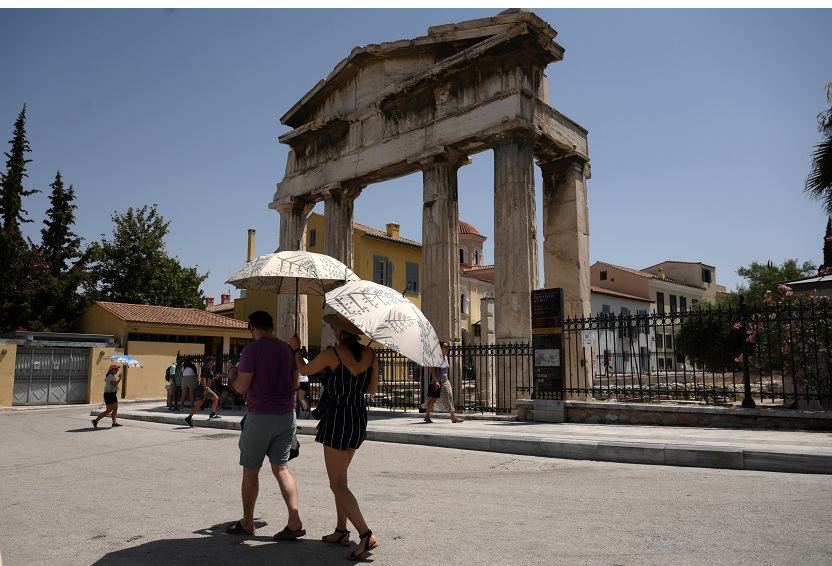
[438, 155]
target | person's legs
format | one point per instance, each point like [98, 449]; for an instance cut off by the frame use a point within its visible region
[250, 490]
[429, 408]
[194, 409]
[289, 491]
[105, 413]
[341, 517]
[182, 399]
[114, 414]
[337, 462]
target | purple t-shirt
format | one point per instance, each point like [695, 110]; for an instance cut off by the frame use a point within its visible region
[272, 387]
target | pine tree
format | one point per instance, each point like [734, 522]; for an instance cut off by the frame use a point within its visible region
[11, 199]
[59, 302]
[20, 269]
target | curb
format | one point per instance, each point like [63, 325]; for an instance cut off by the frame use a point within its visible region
[619, 451]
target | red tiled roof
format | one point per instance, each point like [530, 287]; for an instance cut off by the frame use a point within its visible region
[602, 291]
[170, 316]
[465, 228]
[680, 262]
[647, 275]
[384, 236]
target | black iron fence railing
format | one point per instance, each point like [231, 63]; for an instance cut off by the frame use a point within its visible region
[777, 353]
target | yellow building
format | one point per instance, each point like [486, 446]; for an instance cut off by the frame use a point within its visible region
[385, 257]
[154, 335]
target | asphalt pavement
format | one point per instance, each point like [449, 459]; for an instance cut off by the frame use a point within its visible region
[713, 447]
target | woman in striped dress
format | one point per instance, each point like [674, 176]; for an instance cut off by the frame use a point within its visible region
[351, 370]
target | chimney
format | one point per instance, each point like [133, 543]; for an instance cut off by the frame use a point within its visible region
[252, 233]
[225, 298]
[393, 229]
[209, 301]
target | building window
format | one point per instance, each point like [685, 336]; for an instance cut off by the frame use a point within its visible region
[412, 272]
[659, 340]
[673, 305]
[606, 317]
[313, 238]
[668, 341]
[660, 302]
[683, 304]
[603, 276]
[382, 271]
[476, 257]
[463, 300]
[461, 255]
[706, 275]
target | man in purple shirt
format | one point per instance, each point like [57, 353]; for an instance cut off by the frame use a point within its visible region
[268, 373]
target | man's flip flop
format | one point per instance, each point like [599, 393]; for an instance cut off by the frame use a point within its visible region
[236, 528]
[289, 534]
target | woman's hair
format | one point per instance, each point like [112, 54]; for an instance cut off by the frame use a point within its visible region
[350, 340]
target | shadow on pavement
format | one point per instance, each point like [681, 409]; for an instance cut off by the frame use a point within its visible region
[215, 547]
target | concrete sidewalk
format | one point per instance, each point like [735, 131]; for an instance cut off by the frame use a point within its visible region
[729, 448]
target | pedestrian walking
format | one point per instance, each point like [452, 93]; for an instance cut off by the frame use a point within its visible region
[111, 382]
[351, 371]
[189, 377]
[268, 375]
[204, 391]
[170, 376]
[440, 382]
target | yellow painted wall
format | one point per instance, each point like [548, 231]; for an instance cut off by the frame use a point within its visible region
[156, 357]
[97, 371]
[98, 321]
[364, 249]
[7, 362]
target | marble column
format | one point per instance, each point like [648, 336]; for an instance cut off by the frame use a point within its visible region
[566, 254]
[440, 240]
[566, 232]
[339, 204]
[293, 217]
[515, 238]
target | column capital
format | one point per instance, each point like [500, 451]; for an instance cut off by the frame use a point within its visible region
[338, 191]
[574, 161]
[293, 205]
[512, 131]
[439, 155]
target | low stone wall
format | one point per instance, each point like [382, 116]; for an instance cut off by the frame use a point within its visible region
[686, 415]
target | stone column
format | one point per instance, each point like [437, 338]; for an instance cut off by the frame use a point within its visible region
[566, 252]
[293, 215]
[339, 204]
[515, 238]
[440, 240]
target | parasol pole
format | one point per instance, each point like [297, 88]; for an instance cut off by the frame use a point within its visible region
[297, 307]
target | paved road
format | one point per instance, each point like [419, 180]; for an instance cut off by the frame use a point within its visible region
[154, 493]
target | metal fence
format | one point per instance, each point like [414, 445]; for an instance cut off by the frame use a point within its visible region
[777, 354]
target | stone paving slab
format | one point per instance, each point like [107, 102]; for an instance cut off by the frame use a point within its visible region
[726, 448]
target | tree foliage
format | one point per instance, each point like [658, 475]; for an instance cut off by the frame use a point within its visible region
[11, 198]
[705, 338]
[133, 266]
[762, 277]
[819, 182]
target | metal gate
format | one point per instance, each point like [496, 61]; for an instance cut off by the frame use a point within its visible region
[50, 376]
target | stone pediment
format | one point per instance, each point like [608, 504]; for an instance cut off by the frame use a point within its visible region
[455, 91]
[355, 81]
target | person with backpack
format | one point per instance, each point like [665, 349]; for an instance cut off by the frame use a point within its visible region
[170, 377]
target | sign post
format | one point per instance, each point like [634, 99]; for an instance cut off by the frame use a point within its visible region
[547, 349]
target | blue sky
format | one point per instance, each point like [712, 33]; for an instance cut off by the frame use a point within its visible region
[701, 124]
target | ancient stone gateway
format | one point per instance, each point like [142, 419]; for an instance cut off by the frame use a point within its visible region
[424, 105]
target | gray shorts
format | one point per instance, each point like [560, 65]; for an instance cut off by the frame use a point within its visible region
[203, 394]
[189, 381]
[266, 434]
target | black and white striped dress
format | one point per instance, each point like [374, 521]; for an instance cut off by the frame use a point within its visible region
[345, 424]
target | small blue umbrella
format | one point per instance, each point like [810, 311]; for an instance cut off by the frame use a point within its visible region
[124, 360]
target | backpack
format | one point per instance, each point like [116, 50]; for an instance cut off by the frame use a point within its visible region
[167, 374]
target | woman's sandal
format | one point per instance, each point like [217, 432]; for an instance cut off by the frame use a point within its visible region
[367, 546]
[340, 540]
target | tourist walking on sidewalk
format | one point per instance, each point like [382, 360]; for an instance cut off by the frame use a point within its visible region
[204, 391]
[351, 371]
[189, 377]
[268, 374]
[440, 381]
[111, 382]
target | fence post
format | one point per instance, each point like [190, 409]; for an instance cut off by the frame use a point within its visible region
[748, 401]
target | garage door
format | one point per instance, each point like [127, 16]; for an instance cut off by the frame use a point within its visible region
[50, 376]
